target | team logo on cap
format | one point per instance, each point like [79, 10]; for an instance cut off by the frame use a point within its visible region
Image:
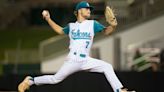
[88, 4]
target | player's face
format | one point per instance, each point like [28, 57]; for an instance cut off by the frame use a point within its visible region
[85, 12]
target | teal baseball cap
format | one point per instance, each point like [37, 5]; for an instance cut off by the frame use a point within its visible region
[83, 4]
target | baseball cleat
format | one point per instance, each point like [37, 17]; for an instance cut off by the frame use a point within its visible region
[24, 85]
[126, 90]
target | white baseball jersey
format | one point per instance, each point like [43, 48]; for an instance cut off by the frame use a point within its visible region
[81, 35]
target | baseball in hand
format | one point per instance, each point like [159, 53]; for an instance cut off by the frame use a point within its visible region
[45, 14]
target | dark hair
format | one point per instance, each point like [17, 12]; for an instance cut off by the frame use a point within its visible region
[75, 13]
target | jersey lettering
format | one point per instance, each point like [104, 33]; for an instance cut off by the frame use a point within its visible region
[80, 35]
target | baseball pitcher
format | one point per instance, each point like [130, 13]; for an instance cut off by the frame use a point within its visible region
[81, 34]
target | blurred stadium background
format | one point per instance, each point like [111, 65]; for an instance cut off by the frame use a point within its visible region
[28, 46]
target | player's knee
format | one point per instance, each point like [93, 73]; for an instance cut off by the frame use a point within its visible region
[56, 80]
[65, 74]
[108, 66]
[59, 78]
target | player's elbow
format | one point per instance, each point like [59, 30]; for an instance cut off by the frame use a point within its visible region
[60, 31]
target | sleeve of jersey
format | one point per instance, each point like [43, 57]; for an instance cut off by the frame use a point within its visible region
[98, 27]
[66, 29]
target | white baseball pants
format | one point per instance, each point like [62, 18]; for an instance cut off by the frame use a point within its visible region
[74, 64]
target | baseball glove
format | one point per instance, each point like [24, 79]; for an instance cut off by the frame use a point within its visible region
[110, 16]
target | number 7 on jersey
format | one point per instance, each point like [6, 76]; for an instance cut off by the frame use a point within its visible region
[87, 44]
